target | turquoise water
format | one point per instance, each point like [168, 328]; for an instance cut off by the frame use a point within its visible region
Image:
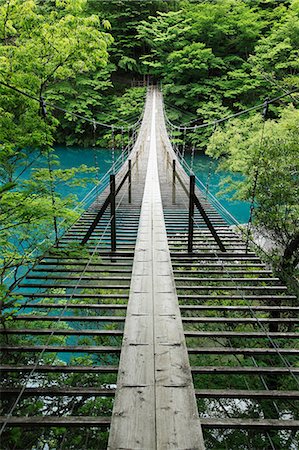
[204, 168]
[101, 159]
[70, 157]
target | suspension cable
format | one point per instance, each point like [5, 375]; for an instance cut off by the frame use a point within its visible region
[95, 157]
[53, 106]
[232, 116]
[184, 143]
[192, 159]
[210, 165]
[256, 175]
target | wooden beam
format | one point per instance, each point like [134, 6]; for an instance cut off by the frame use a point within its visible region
[225, 280]
[67, 318]
[260, 394]
[60, 348]
[62, 391]
[216, 287]
[45, 368]
[73, 286]
[61, 332]
[281, 309]
[262, 370]
[248, 424]
[73, 295]
[241, 351]
[77, 277]
[214, 256]
[258, 297]
[69, 306]
[52, 421]
[251, 320]
[240, 334]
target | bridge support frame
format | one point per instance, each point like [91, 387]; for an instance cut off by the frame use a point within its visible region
[173, 181]
[112, 213]
[191, 213]
[194, 201]
[129, 181]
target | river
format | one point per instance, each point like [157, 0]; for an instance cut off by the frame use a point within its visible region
[204, 168]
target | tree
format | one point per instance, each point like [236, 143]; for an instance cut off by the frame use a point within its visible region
[43, 45]
[276, 55]
[199, 50]
[125, 17]
[266, 154]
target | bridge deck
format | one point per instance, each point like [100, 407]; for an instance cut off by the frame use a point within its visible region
[155, 405]
[143, 322]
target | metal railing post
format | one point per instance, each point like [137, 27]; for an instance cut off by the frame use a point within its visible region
[130, 181]
[173, 180]
[112, 213]
[191, 214]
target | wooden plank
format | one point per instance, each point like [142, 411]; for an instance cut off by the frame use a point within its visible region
[61, 332]
[91, 264]
[263, 424]
[222, 256]
[224, 271]
[212, 370]
[52, 421]
[240, 334]
[78, 270]
[252, 320]
[242, 351]
[73, 286]
[78, 277]
[234, 393]
[70, 306]
[279, 298]
[230, 288]
[60, 348]
[73, 295]
[68, 318]
[266, 308]
[59, 392]
[219, 370]
[226, 280]
[45, 368]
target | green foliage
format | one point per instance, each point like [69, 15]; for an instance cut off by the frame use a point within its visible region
[44, 47]
[267, 154]
[125, 17]
[276, 55]
[223, 55]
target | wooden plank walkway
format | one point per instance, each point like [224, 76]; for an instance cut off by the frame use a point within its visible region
[155, 405]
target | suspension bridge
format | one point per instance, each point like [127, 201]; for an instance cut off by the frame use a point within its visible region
[166, 311]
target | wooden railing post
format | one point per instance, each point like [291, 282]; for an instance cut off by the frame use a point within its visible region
[191, 214]
[173, 180]
[112, 213]
[130, 181]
